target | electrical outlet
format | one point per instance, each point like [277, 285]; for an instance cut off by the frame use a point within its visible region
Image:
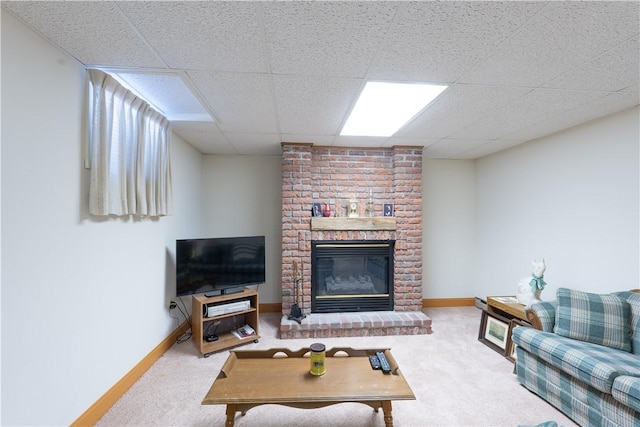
[172, 305]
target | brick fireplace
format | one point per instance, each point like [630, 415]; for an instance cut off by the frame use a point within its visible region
[332, 176]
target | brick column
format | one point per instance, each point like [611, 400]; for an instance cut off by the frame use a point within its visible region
[296, 216]
[407, 199]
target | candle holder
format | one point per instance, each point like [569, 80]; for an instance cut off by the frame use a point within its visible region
[370, 206]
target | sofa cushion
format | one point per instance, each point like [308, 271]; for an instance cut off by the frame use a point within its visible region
[597, 365]
[626, 389]
[633, 298]
[599, 319]
[634, 303]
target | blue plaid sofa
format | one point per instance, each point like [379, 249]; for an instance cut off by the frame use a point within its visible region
[585, 359]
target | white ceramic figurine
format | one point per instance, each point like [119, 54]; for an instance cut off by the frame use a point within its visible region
[529, 288]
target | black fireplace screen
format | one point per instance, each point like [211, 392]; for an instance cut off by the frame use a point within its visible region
[351, 275]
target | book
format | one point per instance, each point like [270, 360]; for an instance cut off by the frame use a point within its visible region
[244, 332]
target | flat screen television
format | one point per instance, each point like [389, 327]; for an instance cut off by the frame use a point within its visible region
[218, 266]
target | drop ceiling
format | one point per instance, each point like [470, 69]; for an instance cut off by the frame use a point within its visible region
[272, 72]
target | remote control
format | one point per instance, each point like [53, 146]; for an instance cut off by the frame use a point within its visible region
[375, 362]
[384, 363]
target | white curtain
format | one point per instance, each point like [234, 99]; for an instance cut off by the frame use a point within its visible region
[128, 152]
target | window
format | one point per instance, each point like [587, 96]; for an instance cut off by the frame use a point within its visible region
[128, 152]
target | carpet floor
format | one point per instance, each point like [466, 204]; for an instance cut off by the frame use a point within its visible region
[457, 381]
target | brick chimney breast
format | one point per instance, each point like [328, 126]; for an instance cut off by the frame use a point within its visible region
[331, 175]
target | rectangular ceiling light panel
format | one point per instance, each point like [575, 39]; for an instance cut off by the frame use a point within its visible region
[383, 108]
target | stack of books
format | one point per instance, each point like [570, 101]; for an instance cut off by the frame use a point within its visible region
[244, 332]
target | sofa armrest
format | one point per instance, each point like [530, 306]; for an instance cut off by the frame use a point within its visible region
[542, 315]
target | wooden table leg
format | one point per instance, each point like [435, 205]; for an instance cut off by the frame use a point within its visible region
[386, 408]
[231, 414]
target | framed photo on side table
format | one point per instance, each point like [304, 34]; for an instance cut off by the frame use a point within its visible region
[494, 332]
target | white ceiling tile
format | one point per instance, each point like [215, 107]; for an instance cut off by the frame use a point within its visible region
[207, 142]
[614, 70]
[458, 106]
[242, 102]
[490, 147]
[290, 71]
[451, 148]
[439, 41]
[559, 38]
[554, 122]
[213, 35]
[195, 126]
[526, 111]
[94, 33]
[256, 144]
[313, 105]
[325, 38]
[359, 141]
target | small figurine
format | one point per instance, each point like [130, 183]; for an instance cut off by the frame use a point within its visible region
[326, 211]
[529, 288]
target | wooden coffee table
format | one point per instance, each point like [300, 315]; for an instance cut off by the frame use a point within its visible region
[280, 376]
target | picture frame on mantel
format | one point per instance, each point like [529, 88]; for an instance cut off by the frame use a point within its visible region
[317, 209]
[387, 209]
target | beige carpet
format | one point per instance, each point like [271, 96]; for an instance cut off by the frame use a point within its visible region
[457, 380]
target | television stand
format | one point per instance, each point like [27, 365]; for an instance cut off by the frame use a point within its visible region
[223, 326]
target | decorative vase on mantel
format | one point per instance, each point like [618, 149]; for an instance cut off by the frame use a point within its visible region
[326, 210]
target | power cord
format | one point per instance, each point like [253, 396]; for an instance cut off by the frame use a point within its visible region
[186, 336]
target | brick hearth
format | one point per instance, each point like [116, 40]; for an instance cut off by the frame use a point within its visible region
[365, 323]
[329, 175]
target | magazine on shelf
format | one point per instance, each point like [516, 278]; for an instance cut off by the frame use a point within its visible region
[244, 332]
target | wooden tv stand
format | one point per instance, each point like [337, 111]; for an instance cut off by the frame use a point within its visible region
[222, 325]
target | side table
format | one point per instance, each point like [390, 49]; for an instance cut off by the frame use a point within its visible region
[508, 307]
[502, 314]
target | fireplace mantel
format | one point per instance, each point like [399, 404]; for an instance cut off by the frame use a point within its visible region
[352, 224]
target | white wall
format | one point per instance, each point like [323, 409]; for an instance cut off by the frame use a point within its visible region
[242, 196]
[83, 299]
[448, 214]
[571, 198]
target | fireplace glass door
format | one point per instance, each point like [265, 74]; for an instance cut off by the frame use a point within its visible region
[349, 276]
